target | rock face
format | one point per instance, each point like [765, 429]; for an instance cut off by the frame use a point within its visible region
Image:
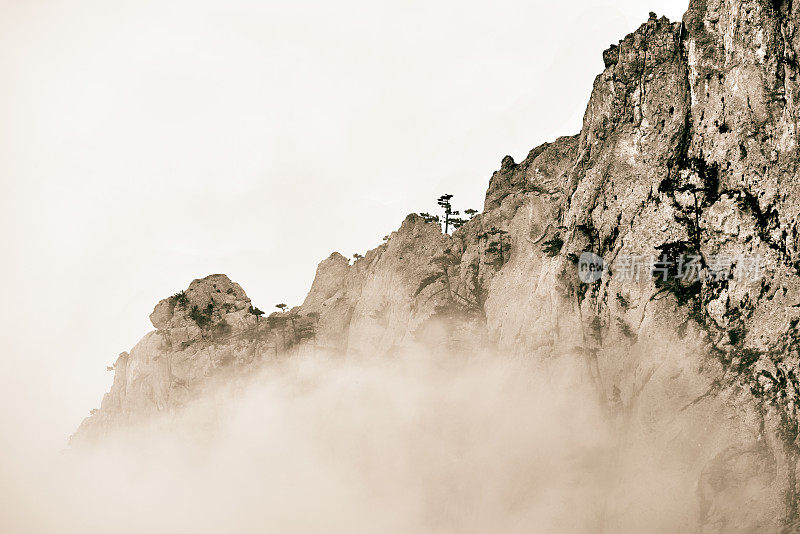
[688, 148]
[199, 331]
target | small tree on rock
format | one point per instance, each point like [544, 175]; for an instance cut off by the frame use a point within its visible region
[498, 245]
[552, 247]
[430, 218]
[451, 216]
[444, 203]
[457, 222]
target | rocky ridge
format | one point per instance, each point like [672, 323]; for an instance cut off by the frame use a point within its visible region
[688, 147]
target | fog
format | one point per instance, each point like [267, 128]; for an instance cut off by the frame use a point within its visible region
[420, 443]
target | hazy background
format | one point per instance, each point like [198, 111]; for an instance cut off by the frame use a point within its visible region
[147, 143]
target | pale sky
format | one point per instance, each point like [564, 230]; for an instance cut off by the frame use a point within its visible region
[147, 143]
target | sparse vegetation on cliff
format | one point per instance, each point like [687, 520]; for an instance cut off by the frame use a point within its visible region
[450, 217]
[497, 246]
[553, 246]
[179, 299]
[202, 317]
[461, 298]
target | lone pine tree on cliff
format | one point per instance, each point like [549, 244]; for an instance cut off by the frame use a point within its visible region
[255, 311]
[444, 203]
[451, 217]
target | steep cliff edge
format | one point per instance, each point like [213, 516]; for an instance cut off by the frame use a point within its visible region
[688, 149]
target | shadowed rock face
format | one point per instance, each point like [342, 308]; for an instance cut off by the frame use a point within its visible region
[689, 142]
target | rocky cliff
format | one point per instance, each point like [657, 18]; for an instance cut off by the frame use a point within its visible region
[688, 149]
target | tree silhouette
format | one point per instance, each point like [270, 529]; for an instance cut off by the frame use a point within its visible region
[357, 256]
[255, 311]
[457, 222]
[444, 203]
[451, 216]
[430, 218]
[180, 299]
[282, 307]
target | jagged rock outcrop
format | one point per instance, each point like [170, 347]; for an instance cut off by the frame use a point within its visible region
[206, 328]
[688, 147]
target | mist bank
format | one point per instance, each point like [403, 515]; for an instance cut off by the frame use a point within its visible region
[421, 443]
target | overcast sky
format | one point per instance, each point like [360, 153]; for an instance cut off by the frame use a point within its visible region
[147, 143]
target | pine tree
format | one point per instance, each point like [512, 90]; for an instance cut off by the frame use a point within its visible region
[430, 218]
[255, 311]
[444, 203]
